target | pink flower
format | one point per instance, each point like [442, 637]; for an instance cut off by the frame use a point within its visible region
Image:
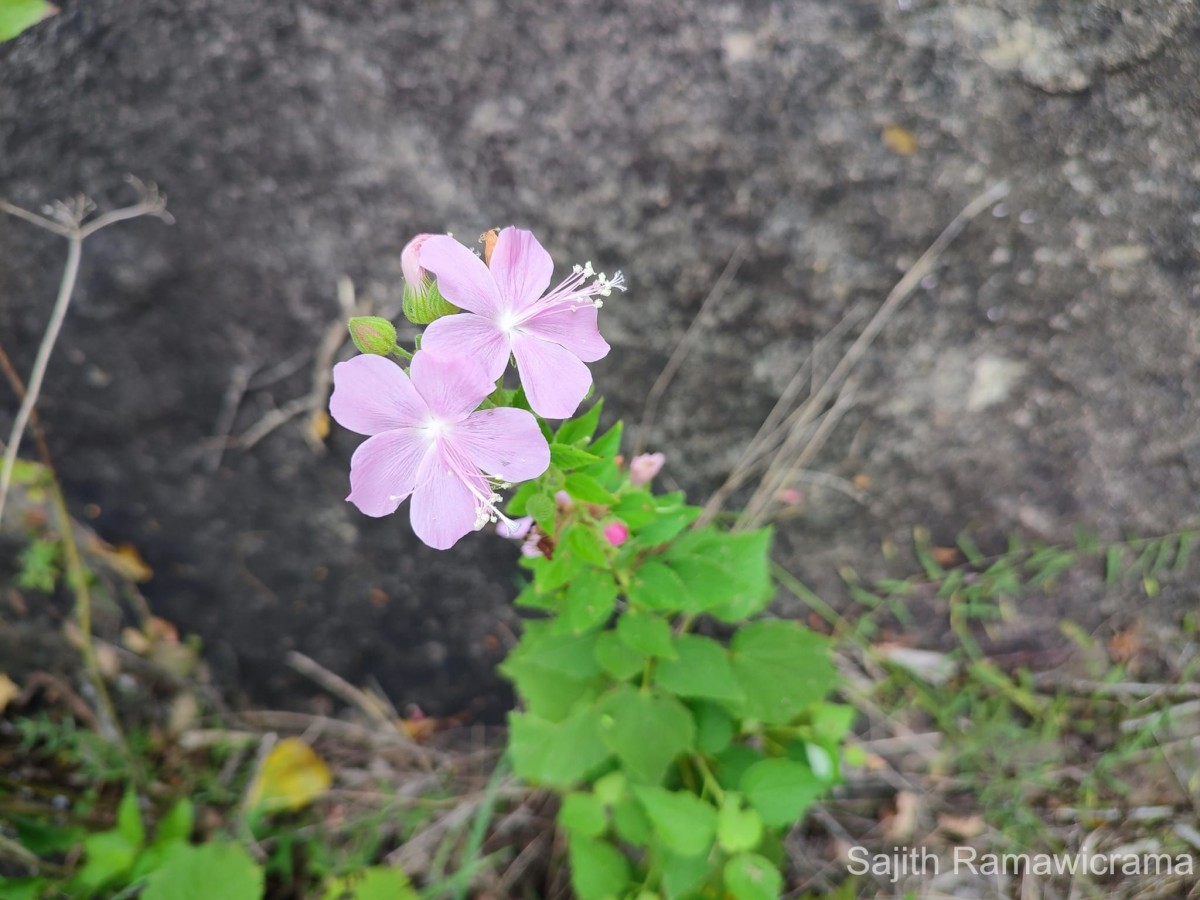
[616, 533]
[644, 467]
[427, 440]
[508, 311]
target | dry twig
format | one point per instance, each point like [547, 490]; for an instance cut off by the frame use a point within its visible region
[783, 464]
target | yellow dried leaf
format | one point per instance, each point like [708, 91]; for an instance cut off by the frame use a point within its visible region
[899, 140]
[291, 776]
[318, 426]
[8, 691]
[124, 559]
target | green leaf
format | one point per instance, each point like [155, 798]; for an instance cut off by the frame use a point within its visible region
[109, 856]
[781, 790]
[553, 672]
[587, 489]
[647, 634]
[637, 508]
[584, 814]
[749, 876]
[701, 669]
[833, 721]
[744, 556]
[737, 828]
[706, 584]
[589, 601]
[18, 15]
[567, 457]
[517, 503]
[733, 763]
[714, 727]
[655, 586]
[582, 428]
[783, 667]
[556, 754]
[667, 526]
[682, 875]
[646, 731]
[543, 509]
[373, 883]
[610, 788]
[176, 825]
[682, 821]
[631, 823]
[40, 836]
[218, 869]
[549, 574]
[129, 819]
[616, 657]
[22, 888]
[609, 443]
[583, 541]
[599, 870]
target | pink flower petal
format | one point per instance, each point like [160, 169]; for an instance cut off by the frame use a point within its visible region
[504, 442]
[521, 268]
[514, 529]
[451, 385]
[371, 394]
[555, 380]
[410, 261]
[462, 277]
[443, 507]
[383, 470]
[575, 329]
[465, 334]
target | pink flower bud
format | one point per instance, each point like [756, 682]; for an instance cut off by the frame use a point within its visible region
[410, 261]
[616, 533]
[791, 497]
[644, 467]
[531, 549]
[564, 501]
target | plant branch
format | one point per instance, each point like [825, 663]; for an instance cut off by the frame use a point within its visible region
[69, 223]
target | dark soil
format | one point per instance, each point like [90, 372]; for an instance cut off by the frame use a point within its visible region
[1045, 377]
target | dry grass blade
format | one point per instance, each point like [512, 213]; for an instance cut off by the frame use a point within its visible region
[650, 409]
[783, 464]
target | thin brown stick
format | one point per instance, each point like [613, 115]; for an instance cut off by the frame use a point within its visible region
[76, 572]
[70, 225]
[650, 409]
[314, 401]
[339, 687]
[835, 381]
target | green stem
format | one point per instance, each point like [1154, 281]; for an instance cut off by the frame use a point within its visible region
[710, 781]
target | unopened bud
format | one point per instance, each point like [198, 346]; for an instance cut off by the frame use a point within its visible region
[372, 334]
[644, 467]
[423, 302]
[616, 533]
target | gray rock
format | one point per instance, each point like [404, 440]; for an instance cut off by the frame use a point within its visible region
[300, 142]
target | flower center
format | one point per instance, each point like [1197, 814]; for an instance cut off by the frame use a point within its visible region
[435, 428]
[508, 322]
